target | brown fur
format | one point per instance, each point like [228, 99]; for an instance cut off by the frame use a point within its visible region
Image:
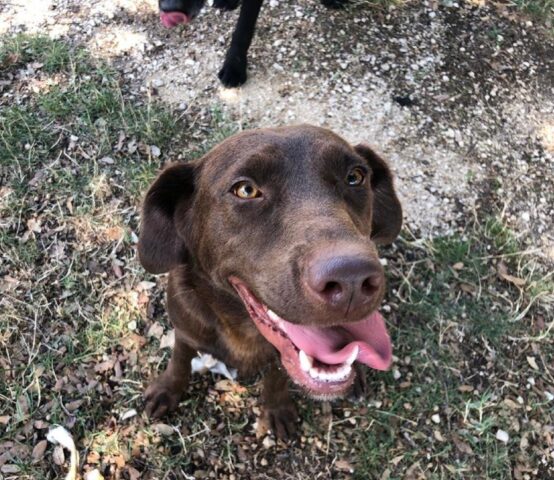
[195, 228]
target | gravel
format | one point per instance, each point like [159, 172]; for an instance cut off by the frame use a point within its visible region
[458, 97]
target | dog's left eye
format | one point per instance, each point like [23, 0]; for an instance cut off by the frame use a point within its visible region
[356, 177]
[246, 190]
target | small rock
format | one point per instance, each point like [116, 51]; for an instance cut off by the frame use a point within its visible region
[128, 414]
[268, 442]
[502, 436]
[155, 151]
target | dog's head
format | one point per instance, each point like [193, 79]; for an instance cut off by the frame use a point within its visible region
[286, 220]
[175, 12]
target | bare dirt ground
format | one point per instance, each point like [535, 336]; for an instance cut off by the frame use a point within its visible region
[478, 84]
[458, 96]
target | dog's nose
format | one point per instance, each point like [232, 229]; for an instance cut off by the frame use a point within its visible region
[344, 282]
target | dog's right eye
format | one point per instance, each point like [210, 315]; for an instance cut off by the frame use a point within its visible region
[246, 190]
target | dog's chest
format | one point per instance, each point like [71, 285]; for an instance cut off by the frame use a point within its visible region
[247, 350]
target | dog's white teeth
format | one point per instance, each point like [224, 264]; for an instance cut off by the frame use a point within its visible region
[353, 356]
[326, 376]
[306, 361]
[315, 373]
[273, 316]
[343, 371]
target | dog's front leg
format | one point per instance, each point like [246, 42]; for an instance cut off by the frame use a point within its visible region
[278, 410]
[164, 393]
[233, 72]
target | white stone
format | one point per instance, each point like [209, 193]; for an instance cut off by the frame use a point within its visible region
[502, 436]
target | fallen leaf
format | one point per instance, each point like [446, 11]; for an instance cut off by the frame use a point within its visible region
[462, 446]
[119, 460]
[458, 266]
[38, 451]
[72, 406]
[114, 233]
[105, 366]
[396, 460]
[465, 388]
[168, 340]
[9, 468]
[344, 466]
[155, 330]
[33, 224]
[533, 363]
[511, 404]
[145, 285]
[134, 474]
[163, 429]
[93, 457]
[502, 270]
[467, 288]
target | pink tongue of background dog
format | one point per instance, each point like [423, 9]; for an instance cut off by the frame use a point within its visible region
[172, 19]
[333, 345]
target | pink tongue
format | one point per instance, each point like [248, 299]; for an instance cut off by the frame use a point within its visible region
[172, 19]
[333, 345]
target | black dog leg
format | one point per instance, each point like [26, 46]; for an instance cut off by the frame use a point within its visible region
[334, 4]
[226, 4]
[233, 72]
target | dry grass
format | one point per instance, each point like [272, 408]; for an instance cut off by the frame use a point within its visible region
[81, 323]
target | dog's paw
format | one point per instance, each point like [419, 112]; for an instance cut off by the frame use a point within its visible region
[334, 4]
[281, 420]
[226, 4]
[161, 397]
[233, 73]
[359, 389]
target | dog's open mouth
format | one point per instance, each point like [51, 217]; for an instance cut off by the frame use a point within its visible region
[320, 359]
[172, 19]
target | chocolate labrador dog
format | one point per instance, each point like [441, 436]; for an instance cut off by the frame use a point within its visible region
[233, 72]
[270, 244]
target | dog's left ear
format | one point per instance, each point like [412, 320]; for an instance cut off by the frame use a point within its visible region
[160, 246]
[387, 211]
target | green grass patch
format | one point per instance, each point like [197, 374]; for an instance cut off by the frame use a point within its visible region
[455, 315]
[541, 9]
[81, 111]
[52, 55]
[459, 282]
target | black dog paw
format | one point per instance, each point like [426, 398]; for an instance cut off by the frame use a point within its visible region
[233, 73]
[226, 4]
[334, 4]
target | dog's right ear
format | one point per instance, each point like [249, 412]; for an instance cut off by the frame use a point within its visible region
[160, 247]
